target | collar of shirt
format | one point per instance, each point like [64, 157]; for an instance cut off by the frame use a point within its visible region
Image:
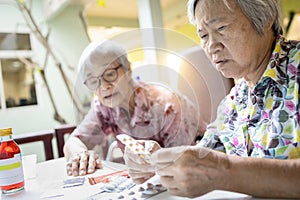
[279, 62]
[279, 68]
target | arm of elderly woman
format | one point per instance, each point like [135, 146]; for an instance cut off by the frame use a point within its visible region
[80, 161]
[194, 171]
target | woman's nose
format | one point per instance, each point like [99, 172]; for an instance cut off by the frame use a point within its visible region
[104, 85]
[214, 45]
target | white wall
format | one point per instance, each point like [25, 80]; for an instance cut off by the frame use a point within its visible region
[67, 40]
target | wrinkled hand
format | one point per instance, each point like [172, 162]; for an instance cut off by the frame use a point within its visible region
[190, 171]
[139, 170]
[83, 163]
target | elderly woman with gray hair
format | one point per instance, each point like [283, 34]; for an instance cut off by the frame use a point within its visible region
[123, 105]
[258, 123]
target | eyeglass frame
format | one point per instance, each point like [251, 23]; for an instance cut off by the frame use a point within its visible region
[100, 77]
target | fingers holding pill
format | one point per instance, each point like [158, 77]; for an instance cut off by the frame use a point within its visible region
[137, 157]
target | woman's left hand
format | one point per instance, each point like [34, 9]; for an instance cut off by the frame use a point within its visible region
[190, 171]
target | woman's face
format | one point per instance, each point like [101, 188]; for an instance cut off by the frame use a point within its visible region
[229, 39]
[113, 93]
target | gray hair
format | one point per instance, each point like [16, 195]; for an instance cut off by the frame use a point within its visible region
[259, 12]
[102, 54]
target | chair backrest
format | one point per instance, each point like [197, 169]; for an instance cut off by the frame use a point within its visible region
[60, 133]
[202, 83]
[114, 153]
[44, 136]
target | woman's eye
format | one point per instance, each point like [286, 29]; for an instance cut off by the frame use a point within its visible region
[203, 36]
[109, 74]
[221, 28]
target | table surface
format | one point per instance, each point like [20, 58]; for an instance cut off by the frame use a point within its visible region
[49, 179]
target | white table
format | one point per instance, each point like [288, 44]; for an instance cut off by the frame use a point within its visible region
[50, 176]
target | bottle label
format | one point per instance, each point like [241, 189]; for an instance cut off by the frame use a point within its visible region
[11, 171]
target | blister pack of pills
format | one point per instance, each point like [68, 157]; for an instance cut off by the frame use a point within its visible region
[129, 192]
[135, 146]
[118, 184]
[71, 182]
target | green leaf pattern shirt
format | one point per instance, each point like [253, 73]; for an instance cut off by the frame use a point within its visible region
[262, 122]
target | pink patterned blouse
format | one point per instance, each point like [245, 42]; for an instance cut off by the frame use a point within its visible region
[159, 114]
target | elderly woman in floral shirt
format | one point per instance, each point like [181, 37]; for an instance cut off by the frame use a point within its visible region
[258, 122]
[123, 105]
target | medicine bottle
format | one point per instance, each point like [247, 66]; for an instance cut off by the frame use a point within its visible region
[11, 172]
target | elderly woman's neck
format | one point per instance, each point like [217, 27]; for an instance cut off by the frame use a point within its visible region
[253, 77]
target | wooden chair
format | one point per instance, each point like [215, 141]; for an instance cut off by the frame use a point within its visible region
[43, 136]
[60, 133]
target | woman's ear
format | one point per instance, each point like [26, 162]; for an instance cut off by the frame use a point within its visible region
[269, 25]
[129, 72]
[129, 67]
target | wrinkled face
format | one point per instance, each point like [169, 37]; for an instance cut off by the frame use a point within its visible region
[228, 38]
[116, 90]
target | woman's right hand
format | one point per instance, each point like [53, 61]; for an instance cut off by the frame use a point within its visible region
[139, 170]
[82, 163]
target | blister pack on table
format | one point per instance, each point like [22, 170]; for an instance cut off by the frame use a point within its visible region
[112, 191]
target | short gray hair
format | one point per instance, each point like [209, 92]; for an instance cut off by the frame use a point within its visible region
[100, 54]
[259, 12]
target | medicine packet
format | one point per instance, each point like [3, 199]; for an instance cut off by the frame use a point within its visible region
[73, 182]
[134, 192]
[135, 147]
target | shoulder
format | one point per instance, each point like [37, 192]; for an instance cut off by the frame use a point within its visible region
[294, 58]
[152, 91]
[157, 95]
[287, 52]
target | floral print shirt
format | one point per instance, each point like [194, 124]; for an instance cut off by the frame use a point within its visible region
[264, 121]
[159, 114]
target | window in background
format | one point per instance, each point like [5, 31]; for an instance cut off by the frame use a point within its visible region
[17, 81]
[15, 42]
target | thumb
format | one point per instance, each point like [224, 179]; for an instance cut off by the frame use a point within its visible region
[151, 146]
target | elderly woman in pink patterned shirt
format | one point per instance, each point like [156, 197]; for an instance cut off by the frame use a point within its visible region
[258, 123]
[123, 105]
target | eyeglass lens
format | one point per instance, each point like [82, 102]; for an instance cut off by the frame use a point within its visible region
[109, 75]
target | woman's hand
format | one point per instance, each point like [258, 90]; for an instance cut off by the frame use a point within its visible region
[190, 171]
[85, 162]
[139, 170]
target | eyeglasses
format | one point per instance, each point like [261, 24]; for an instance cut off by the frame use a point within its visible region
[109, 75]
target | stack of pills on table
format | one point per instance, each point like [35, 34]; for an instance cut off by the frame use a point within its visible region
[128, 192]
